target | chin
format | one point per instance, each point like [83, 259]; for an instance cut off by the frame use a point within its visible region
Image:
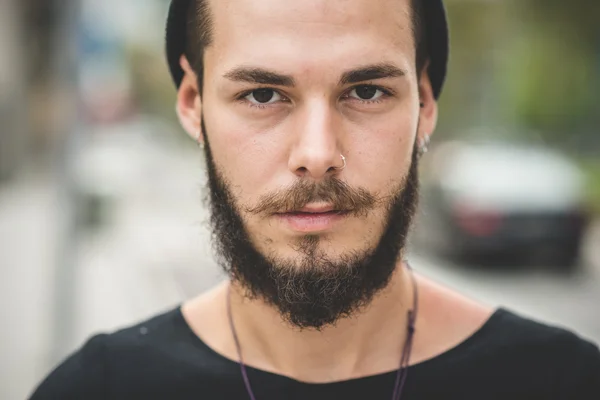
[317, 252]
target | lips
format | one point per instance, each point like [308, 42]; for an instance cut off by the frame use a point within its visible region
[313, 218]
[315, 209]
[309, 213]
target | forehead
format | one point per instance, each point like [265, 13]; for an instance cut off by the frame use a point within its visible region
[309, 34]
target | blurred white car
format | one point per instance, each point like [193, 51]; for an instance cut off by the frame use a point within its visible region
[493, 200]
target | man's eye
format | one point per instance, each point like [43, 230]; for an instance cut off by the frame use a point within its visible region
[366, 92]
[263, 96]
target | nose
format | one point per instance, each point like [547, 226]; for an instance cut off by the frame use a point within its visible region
[317, 150]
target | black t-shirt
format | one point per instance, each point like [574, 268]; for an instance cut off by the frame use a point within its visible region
[510, 357]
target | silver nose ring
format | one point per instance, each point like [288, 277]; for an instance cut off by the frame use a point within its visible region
[343, 163]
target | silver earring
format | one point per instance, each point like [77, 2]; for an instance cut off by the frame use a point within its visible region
[423, 146]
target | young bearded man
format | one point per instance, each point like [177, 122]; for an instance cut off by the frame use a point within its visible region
[313, 115]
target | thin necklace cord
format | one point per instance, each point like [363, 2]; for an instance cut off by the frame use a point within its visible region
[238, 347]
[404, 359]
[410, 327]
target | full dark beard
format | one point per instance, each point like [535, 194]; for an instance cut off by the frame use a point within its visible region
[317, 291]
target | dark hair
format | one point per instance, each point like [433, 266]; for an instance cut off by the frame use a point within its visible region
[200, 32]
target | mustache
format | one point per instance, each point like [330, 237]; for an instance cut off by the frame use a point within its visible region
[334, 191]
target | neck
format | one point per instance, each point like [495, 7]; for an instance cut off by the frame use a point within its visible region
[368, 343]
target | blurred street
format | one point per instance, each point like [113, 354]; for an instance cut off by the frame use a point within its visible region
[102, 222]
[151, 250]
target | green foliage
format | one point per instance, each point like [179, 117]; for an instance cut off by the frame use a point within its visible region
[473, 32]
[592, 171]
[527, 65]
[153, 88]
[549, 81]
[552, 79]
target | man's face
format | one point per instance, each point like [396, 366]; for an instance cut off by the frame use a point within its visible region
[288, 88]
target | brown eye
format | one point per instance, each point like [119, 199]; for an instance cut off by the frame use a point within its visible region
[366, 92]
[263, 96]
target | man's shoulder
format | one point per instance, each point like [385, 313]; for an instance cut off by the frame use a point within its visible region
[152, 346]
[147, 348]
[516, 357]
[162, 326]
[513, 330]
[527, 348]
[508, 338]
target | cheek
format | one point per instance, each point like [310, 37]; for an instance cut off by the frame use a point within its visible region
[248, 157]
[383, 152]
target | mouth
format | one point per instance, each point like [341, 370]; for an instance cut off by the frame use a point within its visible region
[313, 213]
[316, 209]
[313, 219]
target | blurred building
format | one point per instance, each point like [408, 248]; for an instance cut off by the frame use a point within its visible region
[13, 88]
[61, 54]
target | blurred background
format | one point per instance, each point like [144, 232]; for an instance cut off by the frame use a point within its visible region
[101, 216]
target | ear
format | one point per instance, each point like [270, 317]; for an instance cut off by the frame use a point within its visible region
[189, 102]
[429, 109]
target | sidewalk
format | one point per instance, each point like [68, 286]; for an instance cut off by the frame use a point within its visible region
[27, 253]
[156, 255]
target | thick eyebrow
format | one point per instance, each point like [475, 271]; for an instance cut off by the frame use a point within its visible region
[259, 75]
[371, 72]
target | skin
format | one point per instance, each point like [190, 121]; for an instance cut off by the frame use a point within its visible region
[301, 134]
